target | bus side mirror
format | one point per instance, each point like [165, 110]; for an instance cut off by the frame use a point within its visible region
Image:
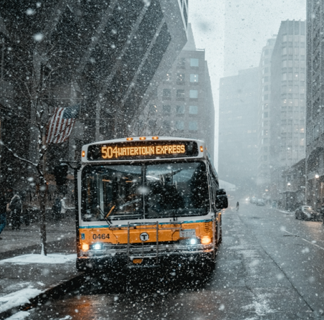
[221, 199]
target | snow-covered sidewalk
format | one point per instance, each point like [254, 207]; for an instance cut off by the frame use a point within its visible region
[25, 277]
[24, 272]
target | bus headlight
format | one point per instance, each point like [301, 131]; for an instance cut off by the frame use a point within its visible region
[97, 246]
[191, 241]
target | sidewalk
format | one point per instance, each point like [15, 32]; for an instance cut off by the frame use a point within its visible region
[24, 272]
[27, 239]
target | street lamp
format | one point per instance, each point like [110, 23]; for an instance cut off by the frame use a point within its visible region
[316, 200]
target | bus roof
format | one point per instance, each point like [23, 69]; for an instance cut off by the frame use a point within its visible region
[149, 138]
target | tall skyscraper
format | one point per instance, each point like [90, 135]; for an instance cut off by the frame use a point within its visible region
[315, 103]
[263, 172]
[238, 117]
[287, 101]
[182, 105]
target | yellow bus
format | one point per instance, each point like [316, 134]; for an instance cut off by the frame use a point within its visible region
[147, 202]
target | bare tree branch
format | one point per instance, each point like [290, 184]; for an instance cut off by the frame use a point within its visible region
[18, 157]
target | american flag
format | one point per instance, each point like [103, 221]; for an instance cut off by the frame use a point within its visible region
[61, 124]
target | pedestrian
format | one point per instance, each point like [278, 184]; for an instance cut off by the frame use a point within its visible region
[63, 207]
[57, 207]
[237, 206]
[4, 207]
[15, 207]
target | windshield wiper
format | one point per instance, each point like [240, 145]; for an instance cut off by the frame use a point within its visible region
[129, 202]
[108, 220]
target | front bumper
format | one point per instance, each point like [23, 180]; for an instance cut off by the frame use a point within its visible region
[123, 256]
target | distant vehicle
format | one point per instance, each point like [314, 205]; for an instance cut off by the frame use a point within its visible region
[307, 213]
[260, 202]
[253, 200]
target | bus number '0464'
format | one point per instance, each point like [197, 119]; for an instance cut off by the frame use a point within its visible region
[100, 236]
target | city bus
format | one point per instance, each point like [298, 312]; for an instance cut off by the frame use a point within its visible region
[147, 202]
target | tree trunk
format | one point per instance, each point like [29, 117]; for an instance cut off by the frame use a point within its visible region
[42, 206]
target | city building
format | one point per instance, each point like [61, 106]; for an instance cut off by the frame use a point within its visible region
[104, 56]
[182, 105]
[293, 184]
[287, 101]
[263, 172]
[238, 124]
[315, 103]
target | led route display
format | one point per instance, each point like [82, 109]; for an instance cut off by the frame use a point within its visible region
[142, 150]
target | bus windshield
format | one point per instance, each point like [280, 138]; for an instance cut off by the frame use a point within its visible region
[159, 190]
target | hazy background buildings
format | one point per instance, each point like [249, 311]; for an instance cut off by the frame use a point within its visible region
[287, 102]
[238, 117]
[263, 141]
[262, 115]
[182, 105]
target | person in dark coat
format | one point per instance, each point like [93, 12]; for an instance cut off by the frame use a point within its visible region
[15, 207]
[4, 206]
[57, 207]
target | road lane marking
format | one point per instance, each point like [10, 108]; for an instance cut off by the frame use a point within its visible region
[314, 244]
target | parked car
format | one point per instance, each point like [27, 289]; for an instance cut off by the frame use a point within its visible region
[260, 202]
[307, 213]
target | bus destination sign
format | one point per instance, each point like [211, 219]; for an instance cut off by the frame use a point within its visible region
[142, 150]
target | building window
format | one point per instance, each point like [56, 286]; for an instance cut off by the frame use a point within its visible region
[180, 109]
[193, 94]
[182, 63]
[152, 108]
[193, 110]
[166, 94]
[154, 93]
[167, 109]
[194, 78]
[168, 77]
[194, 62]
[180, 94]
[180, 125]
[180, 78]
[166, 125]
[193, 126]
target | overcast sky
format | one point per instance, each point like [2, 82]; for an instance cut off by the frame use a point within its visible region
[242, 28]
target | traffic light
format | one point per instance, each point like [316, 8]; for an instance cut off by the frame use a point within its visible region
[60, 173]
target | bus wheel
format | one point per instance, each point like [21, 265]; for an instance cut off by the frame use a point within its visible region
[212, 263]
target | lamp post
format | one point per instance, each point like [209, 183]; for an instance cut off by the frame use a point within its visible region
[316, 190]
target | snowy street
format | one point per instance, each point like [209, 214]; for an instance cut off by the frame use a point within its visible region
[268, 267]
